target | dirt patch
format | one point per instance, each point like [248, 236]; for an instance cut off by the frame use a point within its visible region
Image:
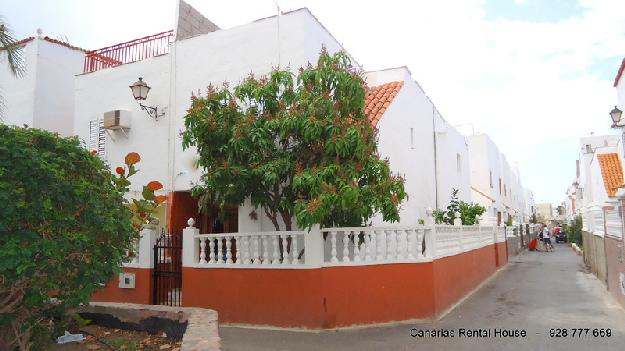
[105, 339]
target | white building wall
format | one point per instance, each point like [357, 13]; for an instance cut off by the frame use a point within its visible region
[406, 138]
[590, 180]
[54, 95]
[44, 97]
[410, 112]
[228, 55]
[453, 168]
[107, 90]
[19, 93]
[486, 170]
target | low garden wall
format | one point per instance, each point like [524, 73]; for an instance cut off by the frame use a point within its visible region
[392, 274]
[330, 278]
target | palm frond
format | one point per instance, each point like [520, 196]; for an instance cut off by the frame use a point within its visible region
[13, 49]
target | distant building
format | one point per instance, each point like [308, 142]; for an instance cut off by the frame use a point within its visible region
[496, 185]
[544, 211]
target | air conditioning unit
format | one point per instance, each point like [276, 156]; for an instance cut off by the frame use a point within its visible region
[118, 119]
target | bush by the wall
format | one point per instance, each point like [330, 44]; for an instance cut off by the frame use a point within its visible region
[64, 229]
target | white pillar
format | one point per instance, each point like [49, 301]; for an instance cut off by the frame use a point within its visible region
[457, 219]
[190, 249]
[146, 248]
[313, 247]
[429, 220]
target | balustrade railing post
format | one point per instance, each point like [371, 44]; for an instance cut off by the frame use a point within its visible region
[190, 246]
[356, 236]
[430, 241]
[346, 246]
[313, 246]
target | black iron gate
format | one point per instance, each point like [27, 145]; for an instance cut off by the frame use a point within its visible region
[167, 276]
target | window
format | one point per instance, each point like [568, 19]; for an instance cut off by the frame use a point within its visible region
[412, 138]
[505, 193]
[499, 186]
[490, 179]
[458, 163]
[97, 137]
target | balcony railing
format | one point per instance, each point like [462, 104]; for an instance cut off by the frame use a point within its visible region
[131, 51]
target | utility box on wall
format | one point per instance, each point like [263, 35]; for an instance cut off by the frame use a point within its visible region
[126, 280]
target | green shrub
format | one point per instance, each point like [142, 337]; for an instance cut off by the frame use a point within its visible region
[468, 211]
[64, 228]
[574, 231]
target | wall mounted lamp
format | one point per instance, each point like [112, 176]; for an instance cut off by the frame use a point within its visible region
[140, 90]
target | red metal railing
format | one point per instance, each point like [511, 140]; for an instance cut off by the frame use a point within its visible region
[131, 51]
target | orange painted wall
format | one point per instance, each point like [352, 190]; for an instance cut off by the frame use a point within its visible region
[312, 298]
[140, 294]
[502, 253]
[455, 276]
[278, 297]
[376, 294]
[339, 296]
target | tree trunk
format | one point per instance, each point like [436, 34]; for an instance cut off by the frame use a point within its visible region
[273, 217]
[287, 218]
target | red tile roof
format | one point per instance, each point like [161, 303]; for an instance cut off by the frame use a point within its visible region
[612, 172]
[51, 40]
[378, 99]
[67, 45]
[620, 73]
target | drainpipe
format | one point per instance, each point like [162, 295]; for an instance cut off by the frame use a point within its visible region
[435, 155]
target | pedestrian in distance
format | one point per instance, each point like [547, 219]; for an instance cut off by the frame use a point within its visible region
[547, 239]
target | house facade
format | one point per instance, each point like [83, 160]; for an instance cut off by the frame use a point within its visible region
[420, 144]
[496, 185]
[44, 97]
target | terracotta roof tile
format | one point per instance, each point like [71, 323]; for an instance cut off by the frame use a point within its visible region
[51, 40]
[612, 172]
[378, 99]
[67, 45]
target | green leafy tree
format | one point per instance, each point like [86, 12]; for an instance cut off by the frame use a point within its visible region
[65, 228]
[299, 146]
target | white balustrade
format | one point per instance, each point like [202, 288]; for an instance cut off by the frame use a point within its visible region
[343, 246]
[242, 250]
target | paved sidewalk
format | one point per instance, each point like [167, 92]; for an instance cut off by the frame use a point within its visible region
[536, 292]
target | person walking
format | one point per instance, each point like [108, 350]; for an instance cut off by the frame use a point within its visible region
[547, 239]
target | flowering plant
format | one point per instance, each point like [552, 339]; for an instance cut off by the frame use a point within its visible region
[143, 209]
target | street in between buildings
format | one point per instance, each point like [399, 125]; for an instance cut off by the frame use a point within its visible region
[541, 294]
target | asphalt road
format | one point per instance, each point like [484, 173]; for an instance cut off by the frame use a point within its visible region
[537, 292]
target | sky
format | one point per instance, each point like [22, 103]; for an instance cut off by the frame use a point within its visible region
[535, 75]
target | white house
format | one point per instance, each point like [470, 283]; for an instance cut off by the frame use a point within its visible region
[420, 144]
[44, 97]
[495, 184]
